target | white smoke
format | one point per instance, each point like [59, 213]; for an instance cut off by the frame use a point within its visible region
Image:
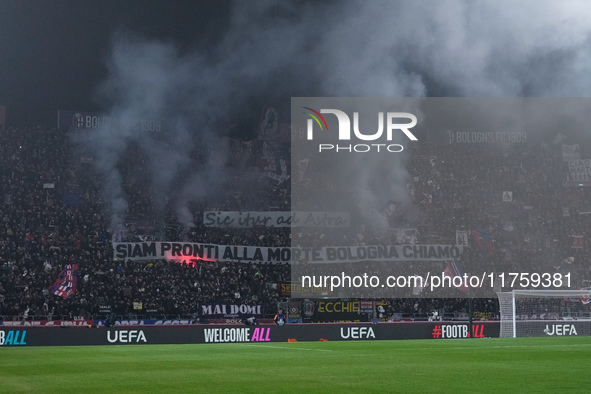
[373, 49]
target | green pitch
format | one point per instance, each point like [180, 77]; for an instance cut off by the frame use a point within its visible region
[478, 365]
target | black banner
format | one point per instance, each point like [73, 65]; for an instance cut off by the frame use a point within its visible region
[294, 311]
[2, 115]
[219, 311]
[79, 120]
[39, 336]
[553, 328]
[331, 311]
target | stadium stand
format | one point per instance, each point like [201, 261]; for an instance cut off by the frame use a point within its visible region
[52, 214]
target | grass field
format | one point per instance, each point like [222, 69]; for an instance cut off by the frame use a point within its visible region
[479, 365]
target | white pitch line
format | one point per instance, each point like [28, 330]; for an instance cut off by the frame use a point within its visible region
[541, 346]
[290, 348]
[492, 347]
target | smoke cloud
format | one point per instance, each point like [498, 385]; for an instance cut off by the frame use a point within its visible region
[276, 49]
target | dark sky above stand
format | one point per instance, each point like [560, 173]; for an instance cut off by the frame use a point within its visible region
[53, 54]
[205, 66]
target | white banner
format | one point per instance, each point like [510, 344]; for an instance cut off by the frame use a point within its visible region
[571, 152]
[578, 241]
[462, 237]
[406, 235]
[137, 251]
[251, 219]
[579, 170]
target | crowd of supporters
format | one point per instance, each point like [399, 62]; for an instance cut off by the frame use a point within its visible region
[53, 213]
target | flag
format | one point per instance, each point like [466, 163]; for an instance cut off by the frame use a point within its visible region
[462, 237]
[428, 199]
[578, 241]
[303, 166]
[571, 152]
[417, 289]
[65, 285]
[419, 285]
[484, 241]
[508, 226]
[452, 270]
[559, 138]
[586, 298]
